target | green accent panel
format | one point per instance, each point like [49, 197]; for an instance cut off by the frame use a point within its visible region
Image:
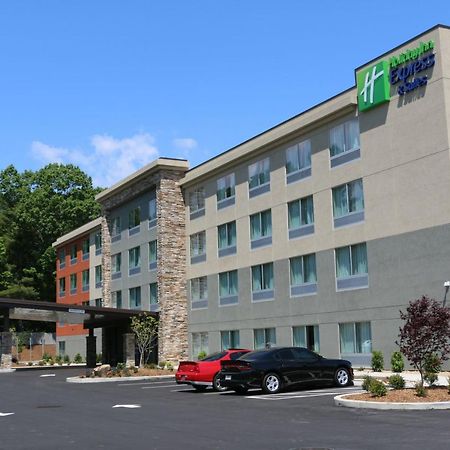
[373, 86]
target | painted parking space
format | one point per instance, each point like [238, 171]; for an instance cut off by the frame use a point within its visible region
[303, 394]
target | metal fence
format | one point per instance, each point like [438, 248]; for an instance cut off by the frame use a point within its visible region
[27, 346]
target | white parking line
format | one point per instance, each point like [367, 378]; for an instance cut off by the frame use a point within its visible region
[127, 406]
[47, 375]
[289, 397]
[6, 414]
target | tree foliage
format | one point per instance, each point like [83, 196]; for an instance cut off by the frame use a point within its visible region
[145, 327]
[35, 209]
[425, 333]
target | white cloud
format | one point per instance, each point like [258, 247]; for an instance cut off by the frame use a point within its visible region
[108, 160]
[185, 143]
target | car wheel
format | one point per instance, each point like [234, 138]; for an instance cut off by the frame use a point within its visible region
[272, 383]
[240, 390]
[342, 377]
[200, 387]
[216, 384]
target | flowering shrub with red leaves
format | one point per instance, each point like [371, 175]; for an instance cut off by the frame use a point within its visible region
[426, 332]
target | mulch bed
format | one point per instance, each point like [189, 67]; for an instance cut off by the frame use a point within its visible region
[434, 394]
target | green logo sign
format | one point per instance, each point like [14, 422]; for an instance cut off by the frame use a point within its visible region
[373, 86]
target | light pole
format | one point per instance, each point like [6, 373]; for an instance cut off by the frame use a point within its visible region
[446, 287]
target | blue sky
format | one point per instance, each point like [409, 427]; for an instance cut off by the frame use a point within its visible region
[110, 85]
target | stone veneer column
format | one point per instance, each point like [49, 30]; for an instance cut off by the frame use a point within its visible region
[173, 335]
[106, 262]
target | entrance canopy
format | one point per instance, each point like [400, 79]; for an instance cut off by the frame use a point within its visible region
[89, 316]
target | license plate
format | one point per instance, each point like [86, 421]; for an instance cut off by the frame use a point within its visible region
[227, 377]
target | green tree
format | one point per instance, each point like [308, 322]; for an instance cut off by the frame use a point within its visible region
[145, 328]
[35, 209]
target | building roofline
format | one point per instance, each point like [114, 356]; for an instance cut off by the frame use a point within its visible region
[267, 133]
[156, 165]
[397, 47]
[74, 234]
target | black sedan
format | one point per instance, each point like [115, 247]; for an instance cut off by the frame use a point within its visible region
[276, 368]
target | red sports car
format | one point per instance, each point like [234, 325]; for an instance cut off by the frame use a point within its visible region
[204, 373]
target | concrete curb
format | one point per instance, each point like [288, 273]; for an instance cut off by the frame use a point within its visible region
[80, 380]
[54, 367]
[340, 400]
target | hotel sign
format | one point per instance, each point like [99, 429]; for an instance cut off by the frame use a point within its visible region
[403, 71]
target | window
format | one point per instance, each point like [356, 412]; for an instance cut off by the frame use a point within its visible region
[154, 302]
[229, 339]
[134, 218]
[264, 337]
[152, 211]
[344, 143]
[85, 249]
[85, 280]
[225, 191]
[226, 236]
[228, 287]
[199, 292]
[262, 277]
[348, 203]
[197, 202]
[298, 158]
[198, 247]
[355, 337]
[135, 297]
[199, 344]
[261, 229]
[301, 217]
[303, 275]
[98, 302]
[98, 243]
[116, 227]
[62, 258]
[62, 287]
[98, 276]
[134, 260]
[116, 263]
[73, 253]
[306, 336]
[73, 283]
[259, 177]
[117, 299]
[351, 266]
[262, 282]
[153, 254]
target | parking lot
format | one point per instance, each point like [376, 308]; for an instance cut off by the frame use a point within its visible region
[39, 410]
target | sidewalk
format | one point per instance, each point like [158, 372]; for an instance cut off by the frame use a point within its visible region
[411, 376]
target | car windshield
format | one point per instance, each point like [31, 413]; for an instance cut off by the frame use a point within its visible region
[253, 356]
[214, 356]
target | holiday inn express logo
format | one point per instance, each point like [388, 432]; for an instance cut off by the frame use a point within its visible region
[404, 72]
[373, 86]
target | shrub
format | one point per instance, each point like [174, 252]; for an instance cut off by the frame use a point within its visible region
[377, 388]
[367, 381]
[41, 362]
[396, 381]
[162, 364]
[432, 367]
[134, 369]
[201, 355]
[397, 363]
[46, 357]
[420, 390]
[150, 366]
[98, 358]
[78, 359]
[50, 361]
[58, 359]
[66, 359]
[29, 363]
[169, 366]
[377, 361]
[121, 366]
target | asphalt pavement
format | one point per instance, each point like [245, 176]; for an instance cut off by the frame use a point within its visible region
[44, 412]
